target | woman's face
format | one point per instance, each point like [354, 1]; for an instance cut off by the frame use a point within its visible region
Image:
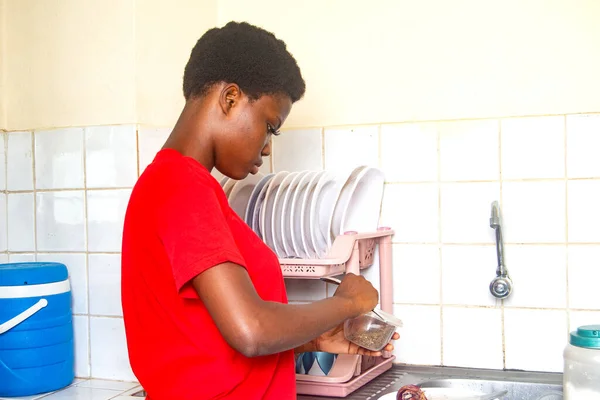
[247, 132]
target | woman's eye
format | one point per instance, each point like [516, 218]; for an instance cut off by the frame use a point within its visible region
[272, 130]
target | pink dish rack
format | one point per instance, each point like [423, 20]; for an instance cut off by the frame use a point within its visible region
[349, 253]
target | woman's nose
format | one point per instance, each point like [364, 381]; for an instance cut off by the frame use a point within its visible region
[266, 151]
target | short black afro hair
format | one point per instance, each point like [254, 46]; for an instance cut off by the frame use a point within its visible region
[246, 55]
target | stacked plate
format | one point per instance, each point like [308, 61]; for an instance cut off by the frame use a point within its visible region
[299, 214]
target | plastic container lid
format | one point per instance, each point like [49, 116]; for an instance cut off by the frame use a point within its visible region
[32, 273]
[388, 318]
[587, 336]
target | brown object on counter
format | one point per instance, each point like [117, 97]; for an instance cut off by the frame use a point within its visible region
[410, 392]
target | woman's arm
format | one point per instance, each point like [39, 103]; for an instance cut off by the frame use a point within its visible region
[255, 327]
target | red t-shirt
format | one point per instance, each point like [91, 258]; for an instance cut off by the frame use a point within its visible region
[179, 224]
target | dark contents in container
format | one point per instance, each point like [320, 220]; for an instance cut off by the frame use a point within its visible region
[375, 339]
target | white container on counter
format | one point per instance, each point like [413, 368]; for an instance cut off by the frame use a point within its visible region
[581, 379]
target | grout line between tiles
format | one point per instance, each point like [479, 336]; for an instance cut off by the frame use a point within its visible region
[5, 143]
[323, 148]
[33, 168]
[87, 257]
[501, 201]
[567, 226]
[439, 244]
[137, 149]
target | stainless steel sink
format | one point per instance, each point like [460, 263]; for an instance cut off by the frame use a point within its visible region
[516, 390]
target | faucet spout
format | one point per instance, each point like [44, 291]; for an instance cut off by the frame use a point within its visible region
[501, 286]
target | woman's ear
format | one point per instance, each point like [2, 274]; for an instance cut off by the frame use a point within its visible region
[230, 97]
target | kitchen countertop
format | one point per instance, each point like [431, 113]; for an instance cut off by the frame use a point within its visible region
[390, 381]
[89, 389]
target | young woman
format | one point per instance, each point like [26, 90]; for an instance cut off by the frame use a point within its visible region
[204, 299]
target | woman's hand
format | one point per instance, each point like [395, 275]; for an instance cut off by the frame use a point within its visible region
[334, 341]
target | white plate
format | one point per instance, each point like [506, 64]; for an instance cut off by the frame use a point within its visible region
[258, 206]
[440, 394]
[306, 217]
[297, 215]
[254, 197]
[279, 214]
[241, 192]
[364, 205]
[287, 211]
[322, 204]
[223, 181]
[266, 212]
[342, 204]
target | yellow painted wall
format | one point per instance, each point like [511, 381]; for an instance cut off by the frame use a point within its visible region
[398, 60]
[84, 62]
[88, 62]
[70, 62]
[166, 31]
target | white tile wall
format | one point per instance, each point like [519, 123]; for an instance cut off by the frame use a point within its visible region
[533, 148]
[465, 278]
[417, 273]
[420, 345]
[584, 213]
[584, 274]
[441, 179]
[19, 158]
[469, 150]
[21, 257]
[541, 274]
[466, 344]
[78, 277]
[415, 208]
[81, 328]
[105, 284]
[105, 214]
[535, 339]
[409, 152]
[346, 148]
[3, 146]
[3, 223]
[286, 156]
[111, 156]
[108, 347]
[150, 141]
[59, 159]
[583, 142]
[534, 212]
[21, 235]
[60, 220]
[463, 207]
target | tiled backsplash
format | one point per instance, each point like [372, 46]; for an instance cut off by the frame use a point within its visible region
[65, 192]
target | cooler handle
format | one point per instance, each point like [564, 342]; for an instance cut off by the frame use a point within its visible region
[11, 323]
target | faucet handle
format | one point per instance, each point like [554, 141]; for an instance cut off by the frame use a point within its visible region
[501, 287]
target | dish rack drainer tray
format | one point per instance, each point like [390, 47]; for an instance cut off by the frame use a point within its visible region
[350, 253]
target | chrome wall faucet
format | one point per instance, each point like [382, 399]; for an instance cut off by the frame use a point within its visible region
[501, 286]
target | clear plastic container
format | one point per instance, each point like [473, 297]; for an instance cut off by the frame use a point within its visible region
[370, 331]
[581, 375]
